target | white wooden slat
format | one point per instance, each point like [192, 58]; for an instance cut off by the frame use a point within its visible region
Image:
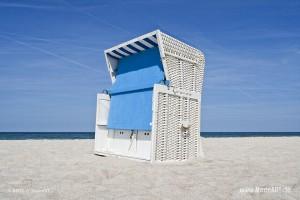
[146, 43]
[153, 39]
[116, 55]
[130, 50]
[138, 47]
[122, 52]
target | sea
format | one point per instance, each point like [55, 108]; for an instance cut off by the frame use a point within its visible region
[91, 135]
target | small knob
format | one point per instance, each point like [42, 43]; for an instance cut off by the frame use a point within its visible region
[185, 124]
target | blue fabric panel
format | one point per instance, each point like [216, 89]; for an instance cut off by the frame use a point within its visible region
[138, 71]
[131, 110]
[131, 94]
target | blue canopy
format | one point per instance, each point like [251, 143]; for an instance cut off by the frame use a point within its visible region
[131, 93]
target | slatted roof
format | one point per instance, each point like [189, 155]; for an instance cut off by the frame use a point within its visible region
[133, 46]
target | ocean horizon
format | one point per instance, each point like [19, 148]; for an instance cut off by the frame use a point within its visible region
[91, 135]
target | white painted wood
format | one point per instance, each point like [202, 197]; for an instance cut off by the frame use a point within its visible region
[144, 144]
[127, 143]
[130, 50]
[138, 47]
[122, 52]
[103, 105]
[153, 39]
[146, 43]
[114, 54]
[131, 41]
[101, 139]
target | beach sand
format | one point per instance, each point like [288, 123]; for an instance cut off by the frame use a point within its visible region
[232, 168]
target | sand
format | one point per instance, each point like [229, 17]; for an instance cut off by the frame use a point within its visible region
[232, 168]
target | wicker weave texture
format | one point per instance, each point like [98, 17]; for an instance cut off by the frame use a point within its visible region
[185, 69]
[177, 48]
[185, 64]
[173, 142]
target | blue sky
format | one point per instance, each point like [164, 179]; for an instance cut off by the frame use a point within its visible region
[52, 63]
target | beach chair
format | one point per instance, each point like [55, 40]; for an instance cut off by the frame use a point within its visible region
[152, 110]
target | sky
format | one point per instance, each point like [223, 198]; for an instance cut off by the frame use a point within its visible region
[52, 62]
